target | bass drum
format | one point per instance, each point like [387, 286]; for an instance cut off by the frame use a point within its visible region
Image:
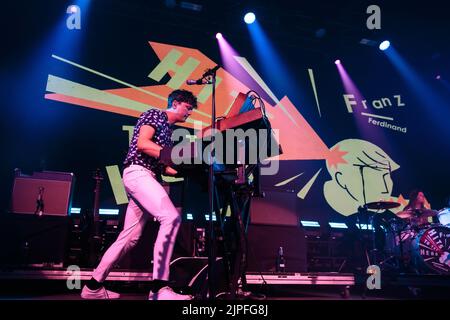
[431, 250]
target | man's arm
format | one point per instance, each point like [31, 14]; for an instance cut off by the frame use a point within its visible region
[145, 144]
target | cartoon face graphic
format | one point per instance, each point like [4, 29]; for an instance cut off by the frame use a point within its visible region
[361, 174]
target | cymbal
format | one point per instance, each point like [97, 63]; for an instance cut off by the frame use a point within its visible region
[382, 205]
[405, 214]
[428, 213]
[422, 213]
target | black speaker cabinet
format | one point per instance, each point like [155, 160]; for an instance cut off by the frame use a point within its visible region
[264, 242]
[53, 189]
[192, 273]
[27, 240]
[275, 208]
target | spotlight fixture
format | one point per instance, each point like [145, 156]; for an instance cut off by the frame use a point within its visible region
[384, 45]
[438, 77]
[368, 42]
[337, 61]
[249, 18]
[219, 35]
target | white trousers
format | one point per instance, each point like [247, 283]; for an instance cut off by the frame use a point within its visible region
[147, 198]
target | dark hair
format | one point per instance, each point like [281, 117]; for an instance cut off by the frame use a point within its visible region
[182, 95]
[413, 194]
[413, 197]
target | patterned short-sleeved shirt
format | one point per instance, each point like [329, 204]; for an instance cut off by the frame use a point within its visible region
[162, 137]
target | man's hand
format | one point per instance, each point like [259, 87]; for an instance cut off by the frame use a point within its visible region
[170, 171]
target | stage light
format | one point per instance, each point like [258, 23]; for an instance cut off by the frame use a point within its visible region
[219, 35]
[364, 226]
[384, 45]
[337, 61]
[249, 18]
[75, 210]
[313, 224]
[438, 77]
[114, 212]
[338, 225]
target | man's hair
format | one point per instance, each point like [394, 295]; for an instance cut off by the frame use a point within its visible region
[413, 194]
[413, 197]
[182, 96]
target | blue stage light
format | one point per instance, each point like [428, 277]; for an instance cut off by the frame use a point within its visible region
[249, 18]
[384, 45]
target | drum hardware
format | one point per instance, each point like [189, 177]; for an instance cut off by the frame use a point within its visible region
[378, 205]
[379, 221]
[384, 262]
[412, 243]
[420, 249]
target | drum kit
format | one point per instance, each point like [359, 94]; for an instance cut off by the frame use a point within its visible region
[416, 240]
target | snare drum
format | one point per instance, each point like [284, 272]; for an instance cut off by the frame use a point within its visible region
[444, 217]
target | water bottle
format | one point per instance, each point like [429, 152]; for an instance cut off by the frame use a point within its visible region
[281, 263]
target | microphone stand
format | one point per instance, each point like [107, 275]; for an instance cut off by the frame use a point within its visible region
[364, 210]
[40, 203]
[209, 77]
[211, 187]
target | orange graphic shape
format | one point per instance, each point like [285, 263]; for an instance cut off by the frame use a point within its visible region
[336, 157]
[298, 140]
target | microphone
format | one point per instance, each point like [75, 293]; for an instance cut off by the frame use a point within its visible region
[203, 79]
[211, 71]
[191, 82]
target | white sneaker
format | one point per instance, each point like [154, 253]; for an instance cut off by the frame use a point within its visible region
[167, 293]
[100, 293]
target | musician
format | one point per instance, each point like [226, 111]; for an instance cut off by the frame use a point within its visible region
[416, 205]
[147, 199]
[417, 201]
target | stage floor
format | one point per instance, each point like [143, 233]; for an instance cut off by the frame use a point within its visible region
[52, 284]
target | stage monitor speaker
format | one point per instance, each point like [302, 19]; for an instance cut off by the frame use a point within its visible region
[275, 208]
[191, 273]
[264, 242]
[52, 189]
